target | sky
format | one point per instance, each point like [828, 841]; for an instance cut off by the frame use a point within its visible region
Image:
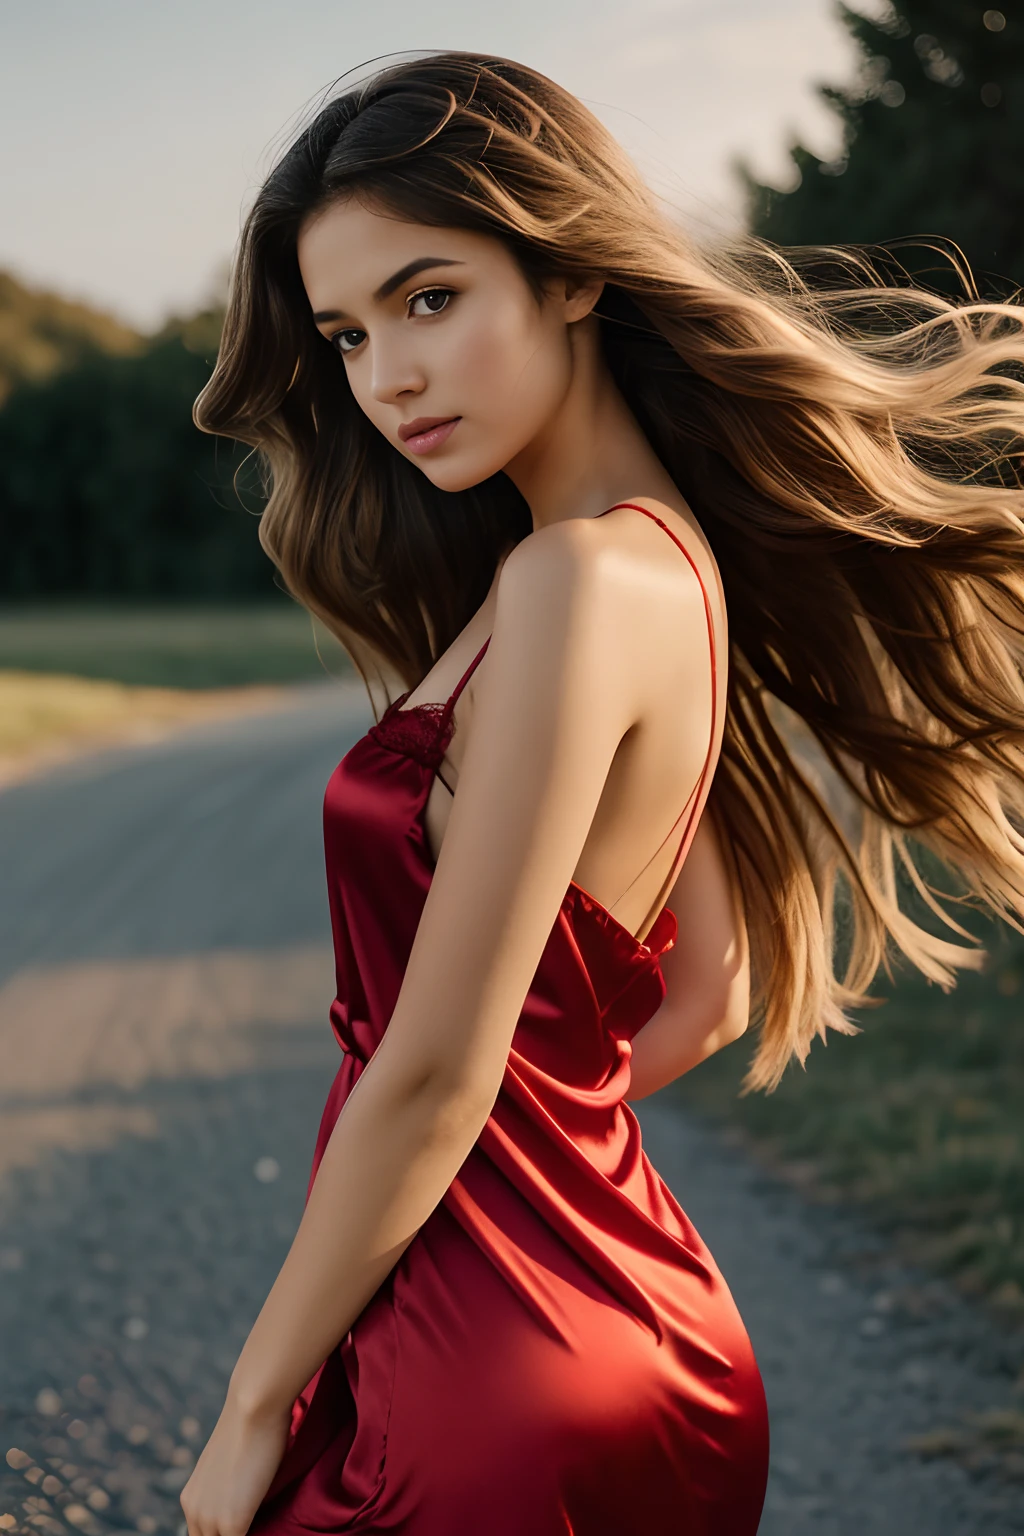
[134, 133]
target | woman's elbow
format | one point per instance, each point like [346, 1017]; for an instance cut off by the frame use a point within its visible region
[726, 1034]
[671, 1044]
[736, 1016]
[724, 1025]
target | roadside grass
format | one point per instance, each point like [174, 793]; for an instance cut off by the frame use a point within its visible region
[74, 676]
[46, 715]
[919, 1120]
[194, 646]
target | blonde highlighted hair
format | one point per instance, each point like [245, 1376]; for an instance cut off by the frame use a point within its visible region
[851, 449]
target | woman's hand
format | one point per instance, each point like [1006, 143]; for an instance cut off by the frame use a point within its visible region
[234, 1471]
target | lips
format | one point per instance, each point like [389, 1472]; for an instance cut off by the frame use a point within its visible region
[422, 424]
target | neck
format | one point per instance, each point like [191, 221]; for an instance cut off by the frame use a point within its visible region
[593, 453]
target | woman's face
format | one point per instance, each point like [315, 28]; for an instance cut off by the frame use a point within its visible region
[440, 325]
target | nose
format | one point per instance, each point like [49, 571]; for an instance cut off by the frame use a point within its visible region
[394, 373]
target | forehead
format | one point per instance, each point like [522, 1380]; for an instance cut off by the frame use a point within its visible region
[348, 249]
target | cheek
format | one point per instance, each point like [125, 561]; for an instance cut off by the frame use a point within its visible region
[507, 366]
[379, 413]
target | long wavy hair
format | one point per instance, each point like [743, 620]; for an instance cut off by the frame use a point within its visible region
[850, 445]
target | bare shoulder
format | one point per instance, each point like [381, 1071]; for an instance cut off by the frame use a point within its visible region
[562, 557]
[556, 600]
[559, 582]
[611, 603]
[680, 524]
[690, 570]
[591, 554]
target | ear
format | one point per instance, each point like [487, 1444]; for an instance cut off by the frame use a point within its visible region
[580, 298]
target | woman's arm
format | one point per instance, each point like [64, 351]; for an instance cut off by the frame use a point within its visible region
[559, 692]
[707, 972]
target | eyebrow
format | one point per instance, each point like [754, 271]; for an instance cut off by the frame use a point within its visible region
[396, 280]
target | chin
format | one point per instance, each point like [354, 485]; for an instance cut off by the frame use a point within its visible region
[458, 476]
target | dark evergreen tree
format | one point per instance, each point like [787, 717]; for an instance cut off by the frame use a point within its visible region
[106, 487]
[933, 143]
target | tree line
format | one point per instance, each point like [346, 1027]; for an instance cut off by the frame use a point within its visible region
[932, 145]
[107, 489]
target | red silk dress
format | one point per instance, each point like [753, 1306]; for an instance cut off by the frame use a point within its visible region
[556, 1351]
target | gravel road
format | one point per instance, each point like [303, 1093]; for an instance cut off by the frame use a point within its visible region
[165, 974]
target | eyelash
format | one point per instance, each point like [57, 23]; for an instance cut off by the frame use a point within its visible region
[448, 292]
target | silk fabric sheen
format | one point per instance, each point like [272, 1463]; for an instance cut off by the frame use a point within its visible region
[556, 1351]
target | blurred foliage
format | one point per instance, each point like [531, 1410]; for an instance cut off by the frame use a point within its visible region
[107, 487]
[42, 335]
[933, 131]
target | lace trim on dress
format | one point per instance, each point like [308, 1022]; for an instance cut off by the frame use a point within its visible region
[423, 732]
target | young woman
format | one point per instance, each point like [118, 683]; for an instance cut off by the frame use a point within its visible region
[523, 442]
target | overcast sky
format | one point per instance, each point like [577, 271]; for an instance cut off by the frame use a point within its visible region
[134, 132]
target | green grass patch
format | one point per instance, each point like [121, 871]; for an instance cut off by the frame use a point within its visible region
[919, 1120]
[170, 645]
[47, 714]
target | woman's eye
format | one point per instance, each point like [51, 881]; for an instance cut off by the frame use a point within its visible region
[435, 299]
[428, 295]
[338, 340]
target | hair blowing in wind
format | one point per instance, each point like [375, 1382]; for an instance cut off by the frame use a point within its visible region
[852, 451]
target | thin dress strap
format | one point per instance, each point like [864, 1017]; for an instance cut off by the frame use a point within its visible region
[453, 698]
[450, 703]
[693, 803]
